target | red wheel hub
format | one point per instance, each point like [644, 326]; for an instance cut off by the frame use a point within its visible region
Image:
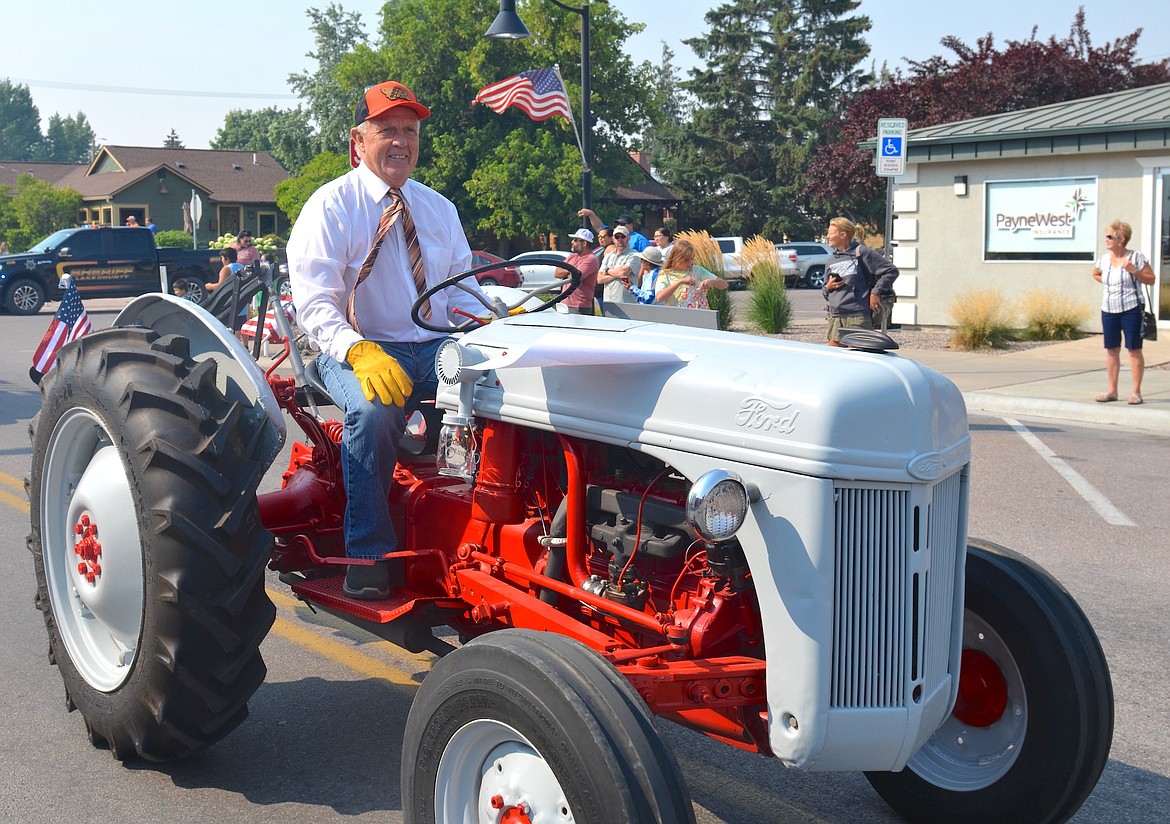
[87, 549]
[517, 814]
[982, 690]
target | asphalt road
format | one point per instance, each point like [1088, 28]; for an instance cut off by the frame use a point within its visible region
[321, 743]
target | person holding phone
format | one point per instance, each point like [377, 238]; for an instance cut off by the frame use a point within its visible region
[857, 277]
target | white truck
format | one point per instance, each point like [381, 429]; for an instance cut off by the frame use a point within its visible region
[733, 266]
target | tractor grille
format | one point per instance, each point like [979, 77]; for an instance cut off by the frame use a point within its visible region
[893, 590]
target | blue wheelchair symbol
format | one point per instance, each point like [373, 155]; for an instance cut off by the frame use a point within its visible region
[891, 146]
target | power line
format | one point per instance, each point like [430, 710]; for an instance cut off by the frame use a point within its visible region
[90, 87]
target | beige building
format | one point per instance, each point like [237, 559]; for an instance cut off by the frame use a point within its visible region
[1021, 201]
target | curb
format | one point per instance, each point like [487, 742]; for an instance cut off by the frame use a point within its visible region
[1116, 414]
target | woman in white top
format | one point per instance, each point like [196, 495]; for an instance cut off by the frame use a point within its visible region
[1120, 271]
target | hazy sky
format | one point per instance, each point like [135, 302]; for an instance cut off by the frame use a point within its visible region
[135, 84]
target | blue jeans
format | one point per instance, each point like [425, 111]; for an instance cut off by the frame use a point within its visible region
[369, 444]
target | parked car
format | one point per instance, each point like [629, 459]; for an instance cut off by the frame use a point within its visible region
[535, 276]
[509, 276]
[108, 262]
[733, 273]
[811, 258]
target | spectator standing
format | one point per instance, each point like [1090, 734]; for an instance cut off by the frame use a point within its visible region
[363, 249]
[857, 277]
[617, 268]
[150, 225]
[3, 247]
[682, 282]
[246, 251]
[652, 260]
[1121, 271]
[582, 257]
[132, 222]
[663, 239]
[637, 241]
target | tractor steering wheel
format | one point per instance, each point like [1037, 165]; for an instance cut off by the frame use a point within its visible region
[496, 307]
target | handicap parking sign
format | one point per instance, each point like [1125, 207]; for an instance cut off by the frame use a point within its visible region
[891, 146]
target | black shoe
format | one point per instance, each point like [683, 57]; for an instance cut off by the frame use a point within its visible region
[367, 583]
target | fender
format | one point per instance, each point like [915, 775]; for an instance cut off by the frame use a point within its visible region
[240, 376]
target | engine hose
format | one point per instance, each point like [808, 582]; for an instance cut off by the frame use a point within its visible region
[555, 565]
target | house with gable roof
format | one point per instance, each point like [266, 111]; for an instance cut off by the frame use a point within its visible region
[236, 188]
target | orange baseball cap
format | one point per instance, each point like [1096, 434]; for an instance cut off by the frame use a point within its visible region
[383, 97]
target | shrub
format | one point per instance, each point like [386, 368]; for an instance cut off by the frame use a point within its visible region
[981, 320]
[174, 237]
[768, 306]
[1052, 316]
[720, 301]
[759, 258]
[707, 252]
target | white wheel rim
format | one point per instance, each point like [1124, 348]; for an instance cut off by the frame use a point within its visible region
[94, 579]
[962, 758]
[488, 768]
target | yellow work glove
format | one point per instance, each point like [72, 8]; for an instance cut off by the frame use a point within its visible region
[378, 373]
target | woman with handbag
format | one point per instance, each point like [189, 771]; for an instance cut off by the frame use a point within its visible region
[1121, 270]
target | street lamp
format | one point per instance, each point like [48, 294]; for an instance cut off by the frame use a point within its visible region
[509, 26]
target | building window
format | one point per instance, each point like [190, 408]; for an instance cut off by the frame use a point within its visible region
[266, 223]
[1046, 220]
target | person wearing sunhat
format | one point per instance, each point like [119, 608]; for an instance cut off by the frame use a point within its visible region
[354, 278]
[652, 259]
[582, 257]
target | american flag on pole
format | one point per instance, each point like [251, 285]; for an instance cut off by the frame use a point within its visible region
[70, 323]
[539, 93]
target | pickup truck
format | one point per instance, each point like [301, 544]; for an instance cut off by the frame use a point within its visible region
[737, 278]
[107, 262]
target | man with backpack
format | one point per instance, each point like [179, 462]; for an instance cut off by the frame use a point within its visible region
[859, 283]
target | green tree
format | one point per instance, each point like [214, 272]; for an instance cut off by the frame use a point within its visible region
[285, 133]
[68, 139]
[292, 193]
[20, 123]
[173, 142]
[330, 102]
[977, 81]
[777, 74]
[39, 209]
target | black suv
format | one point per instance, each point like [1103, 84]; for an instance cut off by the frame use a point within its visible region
[107, 262]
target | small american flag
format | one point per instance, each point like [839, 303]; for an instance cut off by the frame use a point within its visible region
[70, 323]
[539, 93]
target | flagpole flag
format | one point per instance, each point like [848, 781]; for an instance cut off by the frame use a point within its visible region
[70, 323]
[539, 93]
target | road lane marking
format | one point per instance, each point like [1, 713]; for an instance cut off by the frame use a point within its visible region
[1086, 490]
[18, 502]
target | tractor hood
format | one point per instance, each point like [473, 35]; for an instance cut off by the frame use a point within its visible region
[811, 409]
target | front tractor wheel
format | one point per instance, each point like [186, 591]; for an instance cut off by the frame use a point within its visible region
[1032, 726]
[530, 726]
[147, 545]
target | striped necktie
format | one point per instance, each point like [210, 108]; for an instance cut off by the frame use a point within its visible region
[396, 210]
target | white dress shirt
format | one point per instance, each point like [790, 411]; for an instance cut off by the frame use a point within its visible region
[331, 239]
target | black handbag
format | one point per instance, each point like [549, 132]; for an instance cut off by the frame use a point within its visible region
[1149, 322]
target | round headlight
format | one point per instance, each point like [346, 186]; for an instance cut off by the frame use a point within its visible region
[717, 505]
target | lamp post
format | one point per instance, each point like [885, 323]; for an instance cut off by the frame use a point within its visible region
[509, 26]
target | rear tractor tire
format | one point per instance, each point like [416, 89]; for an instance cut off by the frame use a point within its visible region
[147, 545]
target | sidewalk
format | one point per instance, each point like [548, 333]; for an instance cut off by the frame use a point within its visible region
[1057, 381]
